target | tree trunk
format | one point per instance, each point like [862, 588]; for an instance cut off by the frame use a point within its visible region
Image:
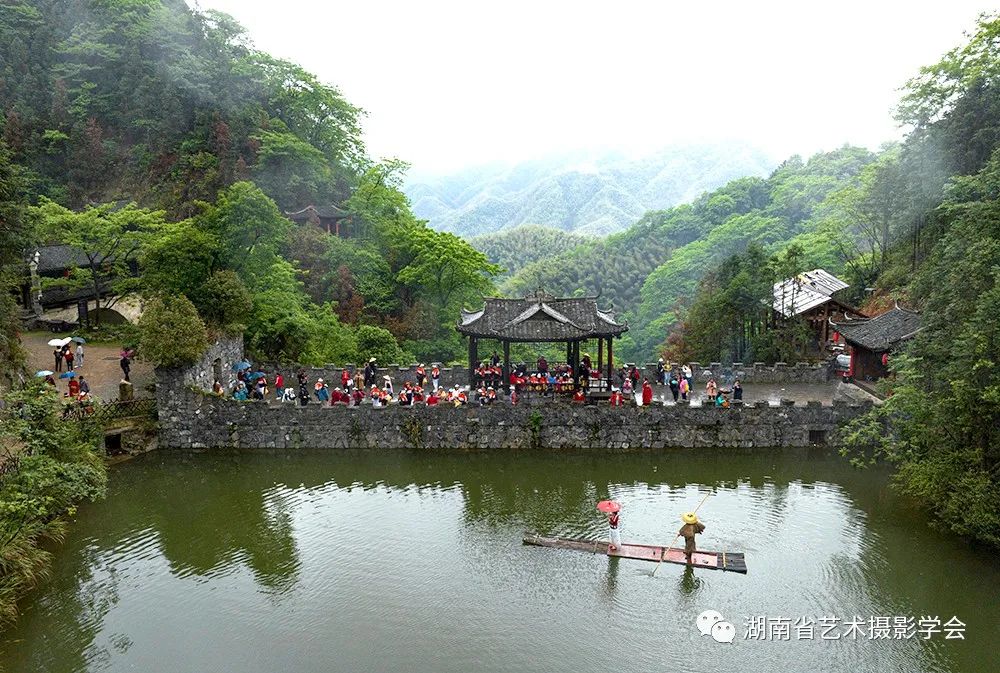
[97, 295]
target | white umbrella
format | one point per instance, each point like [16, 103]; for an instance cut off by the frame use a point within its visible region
[59, 342]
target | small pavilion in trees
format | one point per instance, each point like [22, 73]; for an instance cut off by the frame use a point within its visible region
[329, 218]
[541, 318]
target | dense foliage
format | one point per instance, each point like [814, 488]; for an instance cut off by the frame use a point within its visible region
[170, 332]
[941, 423]
[15, 235]
[155, 138]
[56, 466]
[731, 318]
[513, 249]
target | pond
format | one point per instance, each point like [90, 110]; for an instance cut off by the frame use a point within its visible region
[412, 561]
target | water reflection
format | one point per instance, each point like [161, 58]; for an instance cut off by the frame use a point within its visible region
[351, 555]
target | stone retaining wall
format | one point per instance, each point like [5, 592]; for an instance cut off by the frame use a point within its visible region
[191, 418]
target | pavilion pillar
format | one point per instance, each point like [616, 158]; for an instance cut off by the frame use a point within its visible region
[576, 365]
[506, 366]
[611, 360]
[600, 360]
[569, 353]
[473, 361]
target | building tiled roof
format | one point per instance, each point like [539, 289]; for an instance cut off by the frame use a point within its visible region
[806, 291]
[55, 258]
[540, 317]
[324, 212]
[881, 332]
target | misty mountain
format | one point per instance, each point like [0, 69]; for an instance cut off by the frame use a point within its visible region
[580, 193]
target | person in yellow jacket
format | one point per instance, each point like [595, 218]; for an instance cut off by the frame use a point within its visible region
[690, 528]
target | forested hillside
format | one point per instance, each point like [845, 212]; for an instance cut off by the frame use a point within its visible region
[918, 224]
[513, 249]
[580, 192]
[111, 102]
[651, 269]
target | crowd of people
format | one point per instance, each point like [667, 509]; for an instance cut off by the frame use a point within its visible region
[423, 386]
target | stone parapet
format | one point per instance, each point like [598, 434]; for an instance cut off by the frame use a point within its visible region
[192, 419]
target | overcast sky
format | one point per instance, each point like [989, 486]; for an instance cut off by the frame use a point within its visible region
[449, 84]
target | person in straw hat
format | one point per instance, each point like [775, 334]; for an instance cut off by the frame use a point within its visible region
[370, 370]
[690, 528]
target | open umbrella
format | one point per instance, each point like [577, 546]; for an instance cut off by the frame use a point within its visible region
[240, 366]
[59, 342]
[79, 340]
[608, 506]
[67, 375]
[254, 376]
[41, 373]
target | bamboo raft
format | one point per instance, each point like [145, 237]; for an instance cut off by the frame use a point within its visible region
[709, 560]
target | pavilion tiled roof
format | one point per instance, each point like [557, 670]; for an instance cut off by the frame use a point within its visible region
[540, 317]
[881, 332]
[325, 212]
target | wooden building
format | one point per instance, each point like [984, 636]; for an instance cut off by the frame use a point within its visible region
[52, 262]
[811, 296]
[871, 340]
[541, 318]
[331, 219]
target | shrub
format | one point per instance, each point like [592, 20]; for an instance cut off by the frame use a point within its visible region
[171, 334]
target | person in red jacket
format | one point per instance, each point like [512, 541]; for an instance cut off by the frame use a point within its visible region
[579, 397]
[647, 393]
[617, 399]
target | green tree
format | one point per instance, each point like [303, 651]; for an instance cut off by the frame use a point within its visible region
[224, 301]
[179, 260]
[941, 425]
[250, 230]
[171, 334]
[58, 466]
[291, 171]
[109, 238]
[15, 236]
[378, 343]
[445, 267]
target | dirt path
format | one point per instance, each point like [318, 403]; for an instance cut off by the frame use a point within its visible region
[100, 366]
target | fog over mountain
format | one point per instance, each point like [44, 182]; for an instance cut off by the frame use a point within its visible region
[584, 193]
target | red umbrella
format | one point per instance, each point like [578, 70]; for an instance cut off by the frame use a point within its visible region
[608, 506]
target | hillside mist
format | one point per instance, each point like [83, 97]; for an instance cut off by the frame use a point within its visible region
[583, 193]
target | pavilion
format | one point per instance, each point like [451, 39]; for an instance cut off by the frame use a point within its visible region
[541, 318]
[329, 218]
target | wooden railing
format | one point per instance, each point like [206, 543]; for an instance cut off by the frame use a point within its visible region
[143, 407]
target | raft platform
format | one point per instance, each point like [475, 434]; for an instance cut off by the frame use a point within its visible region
[709, 560]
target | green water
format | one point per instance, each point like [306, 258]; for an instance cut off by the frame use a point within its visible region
[412, 562]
